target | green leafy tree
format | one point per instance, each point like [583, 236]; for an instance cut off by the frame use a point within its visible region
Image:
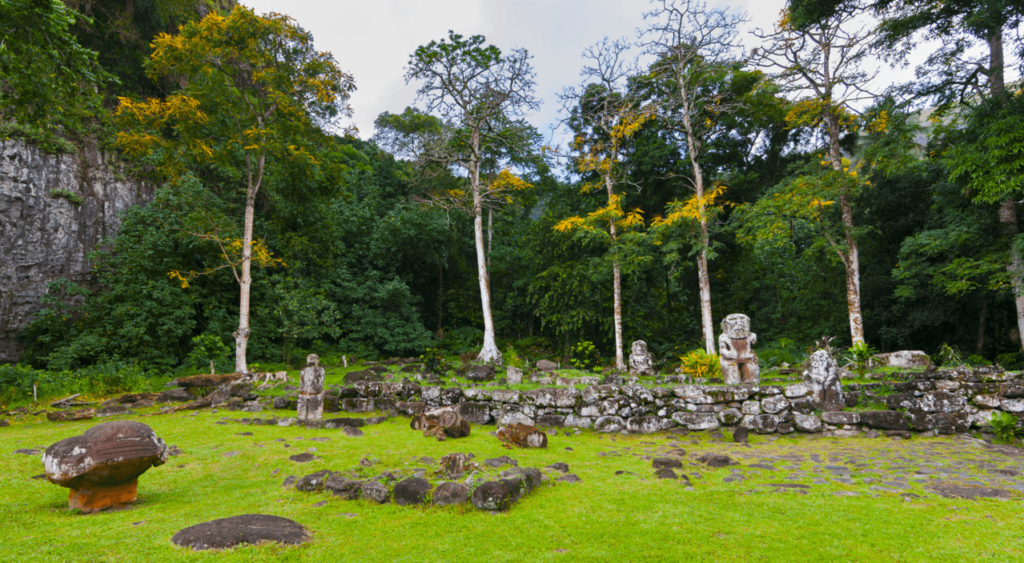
[473, 90]
[823, 63]
[254, 88]
[46, 77]
[603, 116]
[696, 52]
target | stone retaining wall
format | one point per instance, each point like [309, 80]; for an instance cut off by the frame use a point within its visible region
[940, 401]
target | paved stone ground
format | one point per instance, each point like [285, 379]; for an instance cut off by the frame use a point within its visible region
[952, 467]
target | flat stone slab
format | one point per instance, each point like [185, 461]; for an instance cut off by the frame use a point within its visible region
[950, 490]
[241, 530]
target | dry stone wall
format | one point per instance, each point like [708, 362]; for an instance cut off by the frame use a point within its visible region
[43, 234]
[937, 402]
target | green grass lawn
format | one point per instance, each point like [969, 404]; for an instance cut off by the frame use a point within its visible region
[606, 517]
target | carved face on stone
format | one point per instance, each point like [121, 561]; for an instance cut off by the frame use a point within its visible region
[822, 364]
[312, 360]
[639, 348]
[736, 325]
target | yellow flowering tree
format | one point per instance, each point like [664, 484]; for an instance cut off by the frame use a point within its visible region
[604, 116]
[823, 65]
[252, 88]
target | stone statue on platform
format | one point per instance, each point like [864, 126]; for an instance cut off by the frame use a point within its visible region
[736, 348]
[822, 377]
[311, 391]
[640, 360]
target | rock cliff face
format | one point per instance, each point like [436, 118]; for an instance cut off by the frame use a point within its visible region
[44, 235]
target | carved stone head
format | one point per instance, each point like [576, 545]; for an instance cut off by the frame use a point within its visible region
[639, 348]
[312, 360]
[736, 325]
[822, 365]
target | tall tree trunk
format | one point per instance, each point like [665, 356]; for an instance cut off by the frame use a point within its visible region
[489, 352]
[245, 281]
[694, 148]
[620, 362]
[851, 258]
[1008, 209]
[981, 327]
[1008, 217]
[490, 232]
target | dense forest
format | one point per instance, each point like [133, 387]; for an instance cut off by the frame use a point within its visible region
[727, 174]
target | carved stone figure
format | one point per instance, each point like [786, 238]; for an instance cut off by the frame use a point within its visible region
[823, 379]
[736, 348]
[640, 360]
[311, 391]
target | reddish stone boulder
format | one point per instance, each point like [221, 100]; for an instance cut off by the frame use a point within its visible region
[102, 466]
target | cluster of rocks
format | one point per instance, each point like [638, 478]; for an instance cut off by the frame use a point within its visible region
[462, 481]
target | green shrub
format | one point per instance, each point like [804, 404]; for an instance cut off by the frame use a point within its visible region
[1009, 360]
[949, 356]
[977, 360]
[781, 351]
[1004, 426]
[433, 360]
[68, 195]
[584, 356]
[859, 355]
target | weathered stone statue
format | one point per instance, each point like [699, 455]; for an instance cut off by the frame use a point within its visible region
[640, 360]
[736, 348]
[823, 379]
[311, 391]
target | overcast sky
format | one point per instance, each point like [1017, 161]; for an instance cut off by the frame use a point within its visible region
[372, 39]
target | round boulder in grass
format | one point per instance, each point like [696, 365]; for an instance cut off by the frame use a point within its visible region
[240, 530]
[102, 466]
[411, 491]
[492, 496]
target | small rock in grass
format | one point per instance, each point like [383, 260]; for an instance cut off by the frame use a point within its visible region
[303, 458]
[352, 431]
[740, 434]
[451, 493]
[716, 460]
[375, 491]
[499, 461]
[563, 467]
[665, 473]
[411, 491]
[569, 478]
[493, 496]
[666, 462]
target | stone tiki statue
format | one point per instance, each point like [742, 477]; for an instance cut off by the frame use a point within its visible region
[736, 348]
[640, 360]
[823, 378]
[311, 391]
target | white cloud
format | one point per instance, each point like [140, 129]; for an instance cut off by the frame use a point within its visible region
[372, 39]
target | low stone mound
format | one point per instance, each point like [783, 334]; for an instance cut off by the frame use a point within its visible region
[241, 530]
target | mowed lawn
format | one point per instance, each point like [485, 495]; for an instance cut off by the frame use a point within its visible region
[607, 517]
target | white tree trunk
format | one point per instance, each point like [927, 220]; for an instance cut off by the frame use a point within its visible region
[705, 302]
[245, 280]
[851, 258]
[1008, 217]
[489, 352]
[244, 283]
[620, 362]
